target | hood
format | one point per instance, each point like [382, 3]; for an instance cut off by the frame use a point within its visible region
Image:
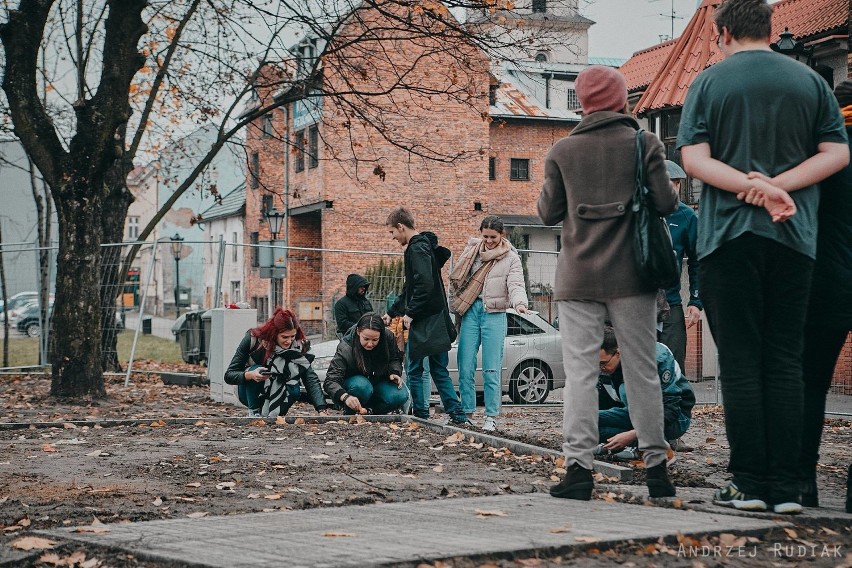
[353, 282]
[442, 254]
[601, 119]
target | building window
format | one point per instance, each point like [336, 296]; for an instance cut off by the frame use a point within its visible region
[492, 94]
[261, 304]
[234, 247]
[132, 228]
[266, 125]
[313, 147]
[492, 168]
[541, 57]
[254, 239]
[573, 101]
[539, 6]
[236, 291]
[519, 169]
[558, 243]
[299, 141]
[265, 204]
[254, 170]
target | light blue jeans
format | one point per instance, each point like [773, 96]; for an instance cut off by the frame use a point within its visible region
[479, 327]
[418, 382]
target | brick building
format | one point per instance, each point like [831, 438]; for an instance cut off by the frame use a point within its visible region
[467, 141]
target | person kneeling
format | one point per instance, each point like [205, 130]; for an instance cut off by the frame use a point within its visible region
[616, 432]
[365, 375]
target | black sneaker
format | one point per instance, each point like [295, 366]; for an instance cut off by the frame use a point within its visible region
[659, 484]
[460, 420]
[731, 496]
[577, 484]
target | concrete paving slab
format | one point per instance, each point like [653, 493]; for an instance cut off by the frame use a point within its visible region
[390, 533]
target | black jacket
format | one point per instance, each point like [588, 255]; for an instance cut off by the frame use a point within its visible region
[343, 364]
[424, 299]
[831, 291]
[353, 305]
[245, 357]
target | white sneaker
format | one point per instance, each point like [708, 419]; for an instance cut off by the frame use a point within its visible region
[254, 413]
[490, 424]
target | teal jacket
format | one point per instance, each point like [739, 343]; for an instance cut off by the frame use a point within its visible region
[678, 396]
[683, 225]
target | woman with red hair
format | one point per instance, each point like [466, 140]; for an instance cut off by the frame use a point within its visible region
[270, 363]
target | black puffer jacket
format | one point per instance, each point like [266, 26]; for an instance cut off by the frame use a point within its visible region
[250, 352]
[353, 305]
[343, 364]
[424, 298]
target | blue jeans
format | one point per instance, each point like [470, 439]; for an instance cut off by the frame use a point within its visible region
[381, 396]
[420, 390]
[250, 393]
[479, 327]
[613, 421]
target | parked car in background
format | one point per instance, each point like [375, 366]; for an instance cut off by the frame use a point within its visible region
[532, 359]
[17, 302]
[28, 321]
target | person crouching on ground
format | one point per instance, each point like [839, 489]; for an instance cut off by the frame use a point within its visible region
[365, 375]
[615, 430]
[270, 363]
[487, 279]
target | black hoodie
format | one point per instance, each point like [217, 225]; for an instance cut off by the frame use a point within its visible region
[349, 309]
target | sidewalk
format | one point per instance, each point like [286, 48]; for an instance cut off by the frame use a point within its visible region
[382, 534]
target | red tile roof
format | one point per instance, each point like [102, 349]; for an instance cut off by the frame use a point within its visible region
[669, 68]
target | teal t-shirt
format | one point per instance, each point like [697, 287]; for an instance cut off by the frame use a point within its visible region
[759, 111]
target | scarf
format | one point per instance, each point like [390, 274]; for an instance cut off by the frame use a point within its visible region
[288, 366]
[467, 287]
[847, 115]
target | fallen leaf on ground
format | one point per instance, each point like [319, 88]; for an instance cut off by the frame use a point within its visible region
[198, 514]
[157, 502]
[299, 421]
[438, 469]
[790, 532]
[32, 543]
[482, 513]
[331, 534]
[258, 422]
[454, 438]
[193, 484]
[558, 530]
[94, 528]
[279, 420]
[585, 539]
[48, 448]
[157, 424]
[69, 426]
[273, 497]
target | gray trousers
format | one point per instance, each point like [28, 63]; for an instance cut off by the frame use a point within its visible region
[581, 325]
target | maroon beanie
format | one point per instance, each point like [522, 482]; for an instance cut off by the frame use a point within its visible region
[601, 88]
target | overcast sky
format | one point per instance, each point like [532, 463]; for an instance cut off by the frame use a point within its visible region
[626, 26]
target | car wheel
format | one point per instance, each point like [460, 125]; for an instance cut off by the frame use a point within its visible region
[33, 329]
[530, 383]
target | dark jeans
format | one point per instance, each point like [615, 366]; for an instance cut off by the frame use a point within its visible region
[822, 348]
[755, 293]
[674, 335]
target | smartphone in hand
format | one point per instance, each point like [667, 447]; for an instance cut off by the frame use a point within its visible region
[265, 372]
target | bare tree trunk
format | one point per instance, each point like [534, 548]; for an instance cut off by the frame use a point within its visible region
[76, 356]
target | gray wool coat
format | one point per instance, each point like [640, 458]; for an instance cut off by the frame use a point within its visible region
[588, 185]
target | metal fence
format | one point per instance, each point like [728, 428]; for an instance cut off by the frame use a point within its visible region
[169, 288]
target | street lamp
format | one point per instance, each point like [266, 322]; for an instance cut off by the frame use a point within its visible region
[275, 219]
[786, 45]
[177, 250]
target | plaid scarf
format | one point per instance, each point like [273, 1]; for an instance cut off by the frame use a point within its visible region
[288, 366]
[467, 287]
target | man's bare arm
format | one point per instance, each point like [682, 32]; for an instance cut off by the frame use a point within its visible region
[831, 157]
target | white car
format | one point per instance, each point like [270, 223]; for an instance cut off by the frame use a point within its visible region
[532, 359]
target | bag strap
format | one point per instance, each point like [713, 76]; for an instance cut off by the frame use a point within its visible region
[640, 190]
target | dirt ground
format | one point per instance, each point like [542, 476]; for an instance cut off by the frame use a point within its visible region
[80, 476]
